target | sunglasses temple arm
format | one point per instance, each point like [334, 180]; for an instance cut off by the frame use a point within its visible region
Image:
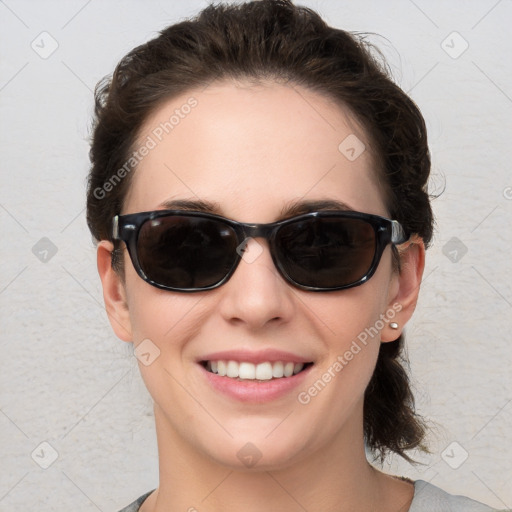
[398, 235]
[115, 227]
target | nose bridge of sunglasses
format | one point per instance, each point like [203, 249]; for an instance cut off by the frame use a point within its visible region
[256, 237]
[250, 249]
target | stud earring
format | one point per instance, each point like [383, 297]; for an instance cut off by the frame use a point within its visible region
[393, 325]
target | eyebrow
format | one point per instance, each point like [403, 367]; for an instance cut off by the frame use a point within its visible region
[293, 208]
[195, 205]
[299, 207]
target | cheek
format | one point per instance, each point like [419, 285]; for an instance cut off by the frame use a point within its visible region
[353, 341]
[163, 325]
[162, 319]
[353, 320]
[359, 313]
[335, 392]
[349, 314]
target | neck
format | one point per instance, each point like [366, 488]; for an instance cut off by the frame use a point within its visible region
[335, 478]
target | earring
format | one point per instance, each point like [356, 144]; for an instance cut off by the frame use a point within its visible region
[393, 325]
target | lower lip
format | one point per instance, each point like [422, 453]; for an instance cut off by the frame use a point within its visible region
[253, 390]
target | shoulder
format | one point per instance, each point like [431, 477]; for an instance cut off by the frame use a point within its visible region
[134, 507]
[429, 498]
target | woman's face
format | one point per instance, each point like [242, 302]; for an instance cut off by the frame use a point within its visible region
[252, 152]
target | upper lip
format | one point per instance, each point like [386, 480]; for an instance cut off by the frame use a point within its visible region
[255, 357]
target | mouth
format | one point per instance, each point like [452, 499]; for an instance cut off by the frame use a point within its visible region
[247, 371]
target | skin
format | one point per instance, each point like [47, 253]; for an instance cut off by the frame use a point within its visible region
[252, 150]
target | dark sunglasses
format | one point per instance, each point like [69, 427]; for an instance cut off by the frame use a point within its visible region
[188, 251]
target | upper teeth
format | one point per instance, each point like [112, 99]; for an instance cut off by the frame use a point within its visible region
[250, 371]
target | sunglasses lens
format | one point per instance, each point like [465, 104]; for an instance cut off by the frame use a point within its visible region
[326, 252]
[186, 252]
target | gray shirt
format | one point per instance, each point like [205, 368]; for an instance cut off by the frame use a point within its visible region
[427, 498]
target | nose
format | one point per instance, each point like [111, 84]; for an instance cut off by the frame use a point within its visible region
[256, 294]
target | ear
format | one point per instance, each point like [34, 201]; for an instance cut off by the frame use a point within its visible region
[405, 289]
[114, 293]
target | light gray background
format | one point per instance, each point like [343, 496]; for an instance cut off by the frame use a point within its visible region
[67, 381]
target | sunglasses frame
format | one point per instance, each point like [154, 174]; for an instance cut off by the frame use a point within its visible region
[387, 231]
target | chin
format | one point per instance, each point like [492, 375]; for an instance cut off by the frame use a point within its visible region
[242, 455]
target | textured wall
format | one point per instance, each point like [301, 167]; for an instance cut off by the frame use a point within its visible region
[66, 381]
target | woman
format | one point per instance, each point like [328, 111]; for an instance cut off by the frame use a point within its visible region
[258, 193]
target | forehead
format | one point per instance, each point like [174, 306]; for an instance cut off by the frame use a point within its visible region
[252, 148]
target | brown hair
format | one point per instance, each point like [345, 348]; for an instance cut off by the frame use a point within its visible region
[275, 40]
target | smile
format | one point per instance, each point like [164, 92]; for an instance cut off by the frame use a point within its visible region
[264, 371]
